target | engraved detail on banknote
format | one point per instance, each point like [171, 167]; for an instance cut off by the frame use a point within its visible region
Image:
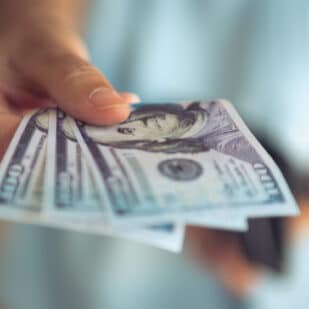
[180, 169]
[228, 172]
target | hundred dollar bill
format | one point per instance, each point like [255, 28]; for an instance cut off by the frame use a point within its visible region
[20, 169]
[166, 236]
[22, 175]
[71, 197]
[183, 161]
[69, 188]
[225, 220]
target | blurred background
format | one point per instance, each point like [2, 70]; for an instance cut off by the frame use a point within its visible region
[253, 53]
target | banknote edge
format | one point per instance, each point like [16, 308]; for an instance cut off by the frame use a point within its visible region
[263, 153]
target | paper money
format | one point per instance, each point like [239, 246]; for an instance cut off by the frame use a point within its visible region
[166, 166]
[20, 169]
[22, 188]
[69, 187]
[70, 194]
[183, 161]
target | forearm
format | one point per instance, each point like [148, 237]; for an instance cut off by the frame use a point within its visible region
[69, 12]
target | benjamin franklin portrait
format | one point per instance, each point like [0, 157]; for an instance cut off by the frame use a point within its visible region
[165, 128]
[176, 128]
[170, 128]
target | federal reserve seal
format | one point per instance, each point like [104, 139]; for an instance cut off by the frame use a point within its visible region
[180, 169]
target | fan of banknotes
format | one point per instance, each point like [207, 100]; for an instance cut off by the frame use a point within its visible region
[168, 165]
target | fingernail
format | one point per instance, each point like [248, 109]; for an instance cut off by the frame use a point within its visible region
[102, 96]
[135, 98]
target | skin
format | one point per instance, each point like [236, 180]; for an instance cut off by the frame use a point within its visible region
[43, 61]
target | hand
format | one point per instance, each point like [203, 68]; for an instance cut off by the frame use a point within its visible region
[220, 252]
[42, 62]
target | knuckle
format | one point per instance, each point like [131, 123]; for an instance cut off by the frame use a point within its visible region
[77, 68]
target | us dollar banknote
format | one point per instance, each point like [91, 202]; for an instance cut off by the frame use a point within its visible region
[71, 198]
[20, 170]
[70, 188]
[166, 166]
[26, 167]
[183, 161]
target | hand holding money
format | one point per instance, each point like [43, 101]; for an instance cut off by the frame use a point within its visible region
[166, 166]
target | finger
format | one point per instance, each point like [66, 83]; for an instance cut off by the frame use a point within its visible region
[129, 97]
[207, 244]
[19, 98]
[9, 123]
[79, 88]
[222, 252]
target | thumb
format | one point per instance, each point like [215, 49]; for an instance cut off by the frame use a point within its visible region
[79, 88]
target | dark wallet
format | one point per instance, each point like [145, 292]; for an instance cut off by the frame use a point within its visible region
[264, 242]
